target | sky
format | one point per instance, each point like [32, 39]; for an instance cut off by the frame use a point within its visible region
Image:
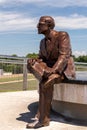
[19, 18]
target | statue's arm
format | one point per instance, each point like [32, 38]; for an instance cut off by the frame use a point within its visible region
[64, 53]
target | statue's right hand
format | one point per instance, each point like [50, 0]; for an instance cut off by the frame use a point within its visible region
[31, 62]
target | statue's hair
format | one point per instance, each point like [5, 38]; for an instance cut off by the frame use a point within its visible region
[49, 21]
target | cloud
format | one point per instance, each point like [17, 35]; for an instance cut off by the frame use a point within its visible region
[14, 21]
[74, 21]
[79, 53]
[29, 1]
[66, 3]
[20, 22]
[59, 3]
[52, 3]
[2, 1]
[10, 2]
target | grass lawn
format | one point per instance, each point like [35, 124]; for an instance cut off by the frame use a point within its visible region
[14, 77]
[81, 68]
[17, 86]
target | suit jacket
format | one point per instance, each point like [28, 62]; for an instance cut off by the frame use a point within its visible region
[55, 51]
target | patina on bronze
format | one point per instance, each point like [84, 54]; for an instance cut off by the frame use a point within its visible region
[53, 65]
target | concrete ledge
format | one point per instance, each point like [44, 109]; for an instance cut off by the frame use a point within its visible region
[70, 99]
[77, 81]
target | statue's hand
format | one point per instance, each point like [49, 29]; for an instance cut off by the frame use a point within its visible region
[47, 72]
[30, 62]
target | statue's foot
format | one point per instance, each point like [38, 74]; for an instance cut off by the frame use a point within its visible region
[35, 125]
[54, 78]
[37, 116]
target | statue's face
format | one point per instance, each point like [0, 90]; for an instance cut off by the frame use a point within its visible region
[42, 26]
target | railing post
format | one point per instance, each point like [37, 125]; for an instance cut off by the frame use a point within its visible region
[25, 74]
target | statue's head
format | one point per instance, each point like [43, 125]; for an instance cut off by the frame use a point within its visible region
[45, 22]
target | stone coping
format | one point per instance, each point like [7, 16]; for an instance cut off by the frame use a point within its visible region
[75, 81]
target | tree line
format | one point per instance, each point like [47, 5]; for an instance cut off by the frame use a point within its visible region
[76, 59]
[81, 58]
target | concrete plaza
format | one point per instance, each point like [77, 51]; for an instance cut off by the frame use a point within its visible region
[19, 108]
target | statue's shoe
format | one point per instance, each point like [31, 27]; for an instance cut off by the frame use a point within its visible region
[36, 125]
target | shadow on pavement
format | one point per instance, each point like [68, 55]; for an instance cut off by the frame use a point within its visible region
[60, 118]
[29, 116]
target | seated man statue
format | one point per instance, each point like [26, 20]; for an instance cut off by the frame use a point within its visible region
[53, 65]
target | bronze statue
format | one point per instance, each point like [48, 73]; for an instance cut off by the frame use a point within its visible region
[54, 64]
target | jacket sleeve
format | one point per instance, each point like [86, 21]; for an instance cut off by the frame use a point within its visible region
[64, 53]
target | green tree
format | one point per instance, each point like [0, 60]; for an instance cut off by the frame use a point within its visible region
[32, 55]
[81, 59]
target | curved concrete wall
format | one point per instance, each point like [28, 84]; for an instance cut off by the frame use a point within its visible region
[70, 99]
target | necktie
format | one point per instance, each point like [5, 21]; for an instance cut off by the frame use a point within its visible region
[48, 47]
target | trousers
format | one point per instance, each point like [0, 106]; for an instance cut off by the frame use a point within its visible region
[45, 99]
[45, 90]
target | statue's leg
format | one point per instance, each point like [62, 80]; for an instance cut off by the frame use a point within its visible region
[45, 98]
[52, 79]
[46, 95]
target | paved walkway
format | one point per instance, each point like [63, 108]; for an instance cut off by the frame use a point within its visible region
[18, 108]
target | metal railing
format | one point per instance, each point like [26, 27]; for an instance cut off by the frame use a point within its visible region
[81, 66]
[11, 60]
[5, 59]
